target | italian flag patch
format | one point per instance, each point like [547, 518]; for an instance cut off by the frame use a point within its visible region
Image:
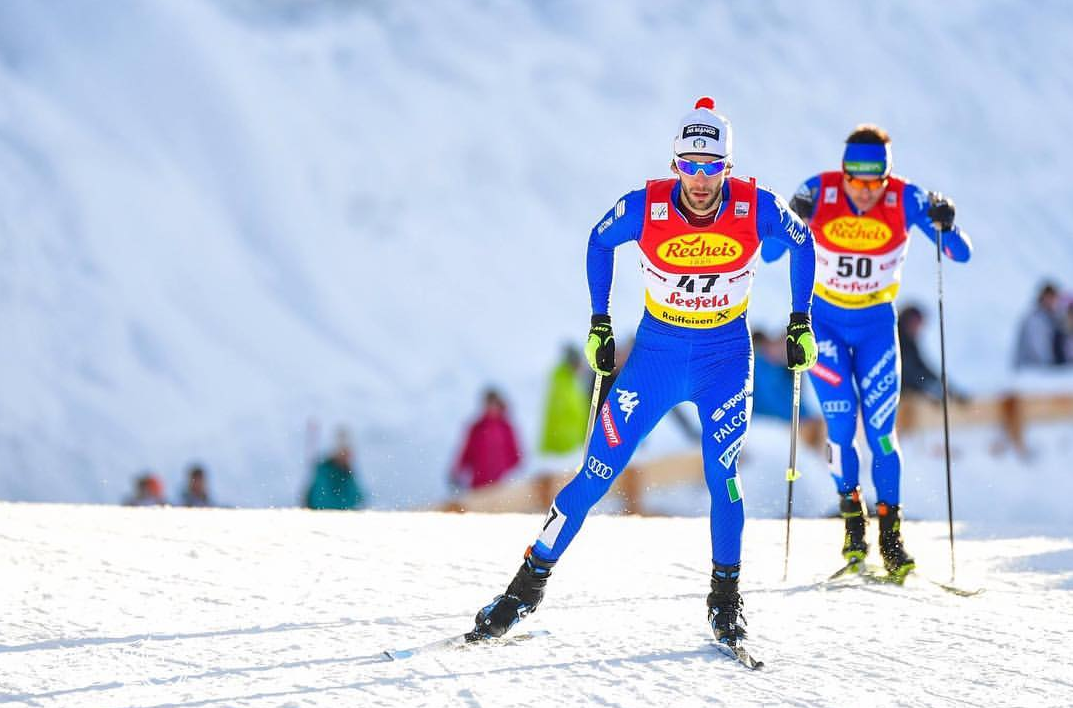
[886, 442]
[734, 489]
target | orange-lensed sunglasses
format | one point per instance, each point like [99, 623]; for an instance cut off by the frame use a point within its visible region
[870, 184]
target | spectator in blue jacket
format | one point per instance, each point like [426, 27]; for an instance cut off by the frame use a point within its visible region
[335, 484]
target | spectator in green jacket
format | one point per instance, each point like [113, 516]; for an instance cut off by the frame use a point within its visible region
[567, 409]
[335, 484]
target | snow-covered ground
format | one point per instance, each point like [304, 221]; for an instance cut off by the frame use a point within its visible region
[221, 217]
[105, 606]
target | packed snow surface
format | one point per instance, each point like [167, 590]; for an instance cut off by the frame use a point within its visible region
[169, 607]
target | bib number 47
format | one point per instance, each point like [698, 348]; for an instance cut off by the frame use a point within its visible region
[689, 282]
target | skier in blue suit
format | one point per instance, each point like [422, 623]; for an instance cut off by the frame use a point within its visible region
[860, 216]
[699, 236]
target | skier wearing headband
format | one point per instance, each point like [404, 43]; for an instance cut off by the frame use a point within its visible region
[860, 216]
[699, 235]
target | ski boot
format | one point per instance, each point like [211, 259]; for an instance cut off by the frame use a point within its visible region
[521, 598]
[897, 562]
[725, 606]
[854, 547]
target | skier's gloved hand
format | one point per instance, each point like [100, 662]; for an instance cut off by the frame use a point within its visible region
[941, 211]
[800, 342]
[803, 205]
[600, 347]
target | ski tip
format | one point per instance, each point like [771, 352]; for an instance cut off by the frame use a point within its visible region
[396, 654]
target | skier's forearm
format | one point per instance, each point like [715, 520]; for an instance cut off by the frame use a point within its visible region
[600, 264]
[802, 275]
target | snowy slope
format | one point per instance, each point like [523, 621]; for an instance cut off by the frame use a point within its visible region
[168, 607]
[218, 218]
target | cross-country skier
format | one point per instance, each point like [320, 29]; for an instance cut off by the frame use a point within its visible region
[861, 216]
[699, 236]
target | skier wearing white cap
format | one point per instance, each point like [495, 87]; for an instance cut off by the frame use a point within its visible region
[699, 235]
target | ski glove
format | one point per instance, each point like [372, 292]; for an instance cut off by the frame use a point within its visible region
[803, 205]
[600, 347]
[800, 342]
[941, 211]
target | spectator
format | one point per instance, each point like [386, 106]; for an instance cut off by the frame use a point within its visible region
[1068, 334]
[567, 410]
[917, 376]
[197, 491]
[335, 484]
[1040, 340]
[490, 450]
[148, 491]
[773, 389]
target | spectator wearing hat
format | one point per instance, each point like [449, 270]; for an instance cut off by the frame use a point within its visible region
[148, 491]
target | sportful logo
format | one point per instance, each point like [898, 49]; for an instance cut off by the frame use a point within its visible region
[885, 410]
[887, 357]
[627, 401]
[699, 129]
[608, 424]
[658, 211]
[599, 469]
[840, 406]
[730, 403]
[828, 349]
[727, 458]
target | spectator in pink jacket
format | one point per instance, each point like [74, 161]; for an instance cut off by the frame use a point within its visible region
[491, 448]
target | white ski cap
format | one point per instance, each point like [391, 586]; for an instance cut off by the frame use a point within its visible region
[703, 131]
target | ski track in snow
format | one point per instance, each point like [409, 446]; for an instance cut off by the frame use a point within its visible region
[105, 606]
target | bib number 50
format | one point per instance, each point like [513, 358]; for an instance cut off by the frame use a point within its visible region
[852, 265]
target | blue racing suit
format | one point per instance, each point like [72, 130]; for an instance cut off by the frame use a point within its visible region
[859, 260]
[692, 344]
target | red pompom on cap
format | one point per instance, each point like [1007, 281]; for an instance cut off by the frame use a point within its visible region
[705, 102]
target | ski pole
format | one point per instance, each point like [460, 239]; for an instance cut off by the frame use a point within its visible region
[791, 471]
[946, 412]
[597, 384]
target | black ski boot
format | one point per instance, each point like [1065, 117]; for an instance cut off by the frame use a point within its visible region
[854, 547]
[897, 562]
[725, 606]
[521, 598]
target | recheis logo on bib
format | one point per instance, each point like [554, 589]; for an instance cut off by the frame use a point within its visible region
[856, 233]
[700, 250]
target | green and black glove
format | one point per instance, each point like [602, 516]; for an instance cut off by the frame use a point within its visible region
[800, 343]
[600, 347]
